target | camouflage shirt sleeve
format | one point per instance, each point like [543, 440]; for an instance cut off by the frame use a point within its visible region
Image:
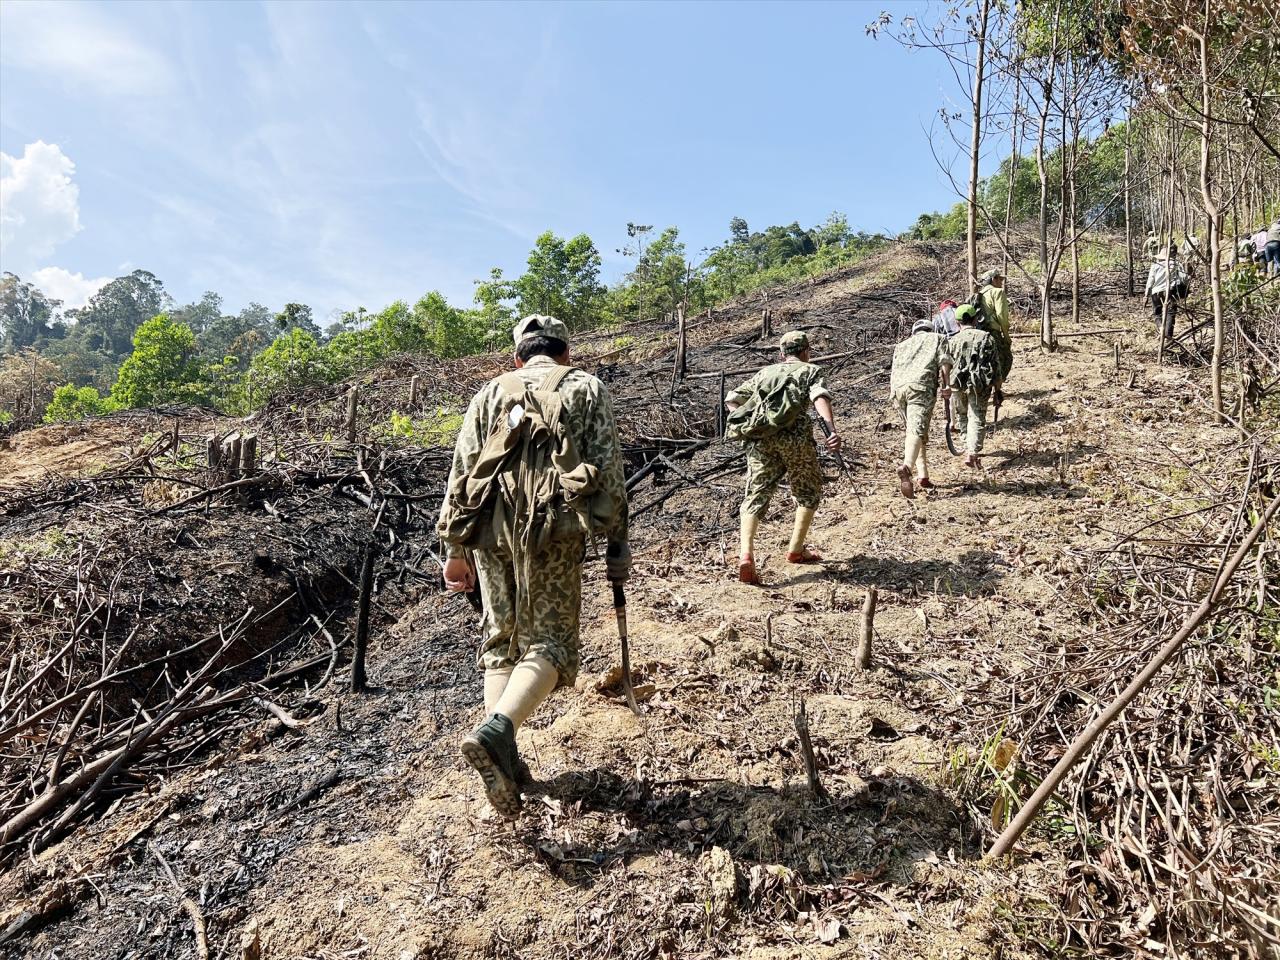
[818, 384]
[602, 448]
[466, 450]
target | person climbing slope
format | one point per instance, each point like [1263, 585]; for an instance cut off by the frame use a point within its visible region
[993, 302]
[1167, 281]
[537, 475]
[769, 414]
[975, 374]
[921, 364]
[1150, 246]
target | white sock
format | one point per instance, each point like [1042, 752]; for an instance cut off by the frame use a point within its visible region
[495, 682]
[530, 683]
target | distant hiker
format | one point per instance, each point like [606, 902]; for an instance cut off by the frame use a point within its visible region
[1245, 251]
[1151, 246]
[921, 364]
[975, 375]
[1190, 246]
[1272, 249]
[1260, 248]
[537, 474]
[1167, 282]
[770, 414]
[993, 302]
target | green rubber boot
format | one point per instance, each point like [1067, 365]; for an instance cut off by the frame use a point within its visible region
[491, 751]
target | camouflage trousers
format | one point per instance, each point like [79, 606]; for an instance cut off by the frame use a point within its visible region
[971, 414]
[555, 602]
[792, 454]
[917, 409]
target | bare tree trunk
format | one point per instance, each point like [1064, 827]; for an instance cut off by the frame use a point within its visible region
[1214, 215]
[1013, 165]
[1128, 201]
[975, 146]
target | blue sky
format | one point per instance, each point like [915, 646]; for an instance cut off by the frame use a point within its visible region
[348, 155]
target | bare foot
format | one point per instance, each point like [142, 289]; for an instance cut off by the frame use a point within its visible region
[807, 555]
[924, 483]
[904, 482]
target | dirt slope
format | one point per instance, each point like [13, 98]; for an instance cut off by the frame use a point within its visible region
[690, 831]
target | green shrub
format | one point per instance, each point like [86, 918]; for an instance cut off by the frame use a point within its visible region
[76, 403]
[439, 429]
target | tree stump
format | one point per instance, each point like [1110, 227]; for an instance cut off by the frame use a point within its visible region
[863, 658]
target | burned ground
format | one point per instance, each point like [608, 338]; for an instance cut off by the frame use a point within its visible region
[320, 823]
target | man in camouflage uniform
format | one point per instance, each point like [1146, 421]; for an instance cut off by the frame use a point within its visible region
[789, 453]
[524, 661]
[995, 310]
[920, 366]
[1151, 246]
[975, 374]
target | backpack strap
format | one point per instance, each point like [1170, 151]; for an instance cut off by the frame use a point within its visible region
[515, 386]
[553, 380]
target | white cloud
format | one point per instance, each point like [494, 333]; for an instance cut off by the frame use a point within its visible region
[39, 204]
[73, 43]
[73, 289]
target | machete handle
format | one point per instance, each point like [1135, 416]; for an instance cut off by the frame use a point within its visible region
[619, 598]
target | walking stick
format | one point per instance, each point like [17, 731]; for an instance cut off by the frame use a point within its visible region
[620, 609]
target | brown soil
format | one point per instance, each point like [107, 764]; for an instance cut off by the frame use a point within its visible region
[690, 831]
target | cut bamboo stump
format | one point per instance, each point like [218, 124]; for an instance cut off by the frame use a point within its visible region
[806, 750]
[212, 451]
[248, 455]
[863, 658]
[414, 386]
[1117, 354]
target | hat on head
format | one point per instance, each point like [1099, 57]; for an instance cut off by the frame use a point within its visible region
[540, 325]
[990, 275]
[966, 312]
[923, 324]
[793, 342]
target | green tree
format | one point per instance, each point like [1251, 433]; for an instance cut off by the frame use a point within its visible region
[297, 316]
[27, 316]
[106, 324]
[200, 315]
[240, 336]
[162, 367]
[562, 279]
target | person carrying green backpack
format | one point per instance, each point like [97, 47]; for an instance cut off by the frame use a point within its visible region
[975, 374]
[769, 414]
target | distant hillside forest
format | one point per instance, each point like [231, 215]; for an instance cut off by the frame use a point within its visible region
[132, 346]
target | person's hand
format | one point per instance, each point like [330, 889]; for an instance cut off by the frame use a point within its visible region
[617, 562]
[458, 575]
[834, 442]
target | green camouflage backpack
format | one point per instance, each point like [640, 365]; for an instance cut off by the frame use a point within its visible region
[528, 485]
[977, 363]
[778, 401]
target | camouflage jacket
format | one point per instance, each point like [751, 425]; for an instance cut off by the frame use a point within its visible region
[916, 362]
[587, 411]
[812, 380]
